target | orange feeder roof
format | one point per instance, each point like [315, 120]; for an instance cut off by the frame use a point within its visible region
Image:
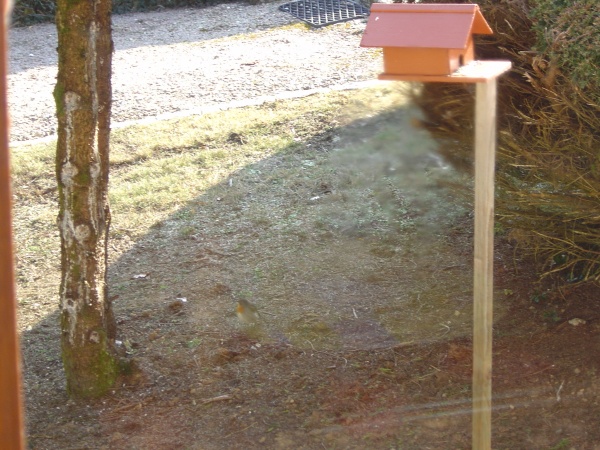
[411, 25]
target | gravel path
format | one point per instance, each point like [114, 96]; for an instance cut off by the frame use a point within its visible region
[191, 61]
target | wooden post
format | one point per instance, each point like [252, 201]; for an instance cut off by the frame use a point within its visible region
[485, 149]
[11, 416]
[484, 74]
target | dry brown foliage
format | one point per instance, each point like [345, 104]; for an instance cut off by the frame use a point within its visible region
[548, 171]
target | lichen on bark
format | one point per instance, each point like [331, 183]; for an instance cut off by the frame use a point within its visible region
[83, 100]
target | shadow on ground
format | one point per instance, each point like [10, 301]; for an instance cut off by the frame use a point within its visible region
[356, 248]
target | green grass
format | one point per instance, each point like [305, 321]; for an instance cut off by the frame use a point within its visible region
[278, 181]
[158, 168]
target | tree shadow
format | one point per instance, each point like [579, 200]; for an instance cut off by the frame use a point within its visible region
[351, 243]
[339, 230]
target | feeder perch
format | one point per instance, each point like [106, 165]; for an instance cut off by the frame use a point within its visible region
[424, 39]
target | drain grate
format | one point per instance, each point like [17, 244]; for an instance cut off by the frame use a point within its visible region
[319, 13]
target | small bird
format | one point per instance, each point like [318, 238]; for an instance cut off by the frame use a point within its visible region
[247, 312]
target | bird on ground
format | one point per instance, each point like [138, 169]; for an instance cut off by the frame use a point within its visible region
[247, 312]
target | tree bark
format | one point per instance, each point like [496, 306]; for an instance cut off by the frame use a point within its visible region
[83, 101]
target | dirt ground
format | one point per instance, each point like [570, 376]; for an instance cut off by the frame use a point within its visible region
[210, 387]
[365, 333]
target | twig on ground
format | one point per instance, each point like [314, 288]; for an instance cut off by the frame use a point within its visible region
[219, 398]
[558, 391]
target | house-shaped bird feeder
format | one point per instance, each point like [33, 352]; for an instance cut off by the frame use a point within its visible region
[424, 39]
[434, 43]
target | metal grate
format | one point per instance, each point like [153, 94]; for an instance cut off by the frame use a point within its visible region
[319, 13]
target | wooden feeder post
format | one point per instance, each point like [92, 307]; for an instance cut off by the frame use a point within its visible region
[433, 43]
[11, 416]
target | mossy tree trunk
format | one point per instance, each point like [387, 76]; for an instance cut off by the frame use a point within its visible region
[83, 101]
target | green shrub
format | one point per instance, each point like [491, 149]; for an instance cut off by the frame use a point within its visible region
[27, 12]
[567, 32]
[124, 6]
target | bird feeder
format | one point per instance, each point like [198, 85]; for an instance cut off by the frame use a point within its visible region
[423, 39]
[434, 43]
